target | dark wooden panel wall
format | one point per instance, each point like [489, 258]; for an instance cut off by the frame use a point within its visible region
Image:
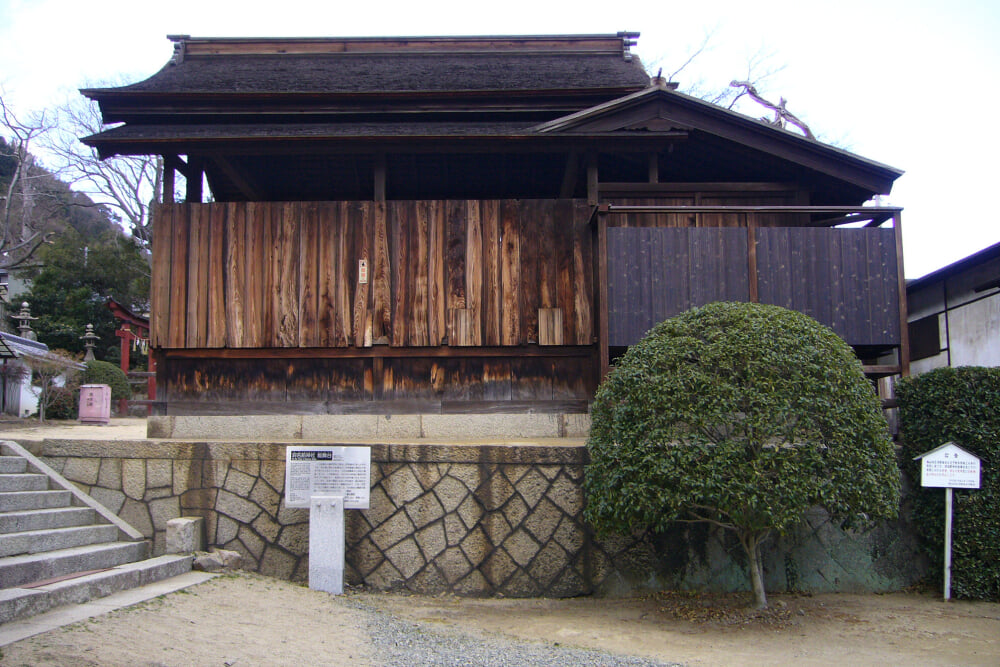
[845, 278]
[287, 274]
[656, 273]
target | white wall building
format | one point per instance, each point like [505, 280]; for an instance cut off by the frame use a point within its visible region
[954, 314]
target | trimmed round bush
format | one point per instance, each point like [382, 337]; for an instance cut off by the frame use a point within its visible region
[101, 372]
[960, 405]
[743, 416]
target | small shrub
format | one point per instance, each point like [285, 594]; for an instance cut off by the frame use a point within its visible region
[64, 403]
[961, 405]
[101, 372]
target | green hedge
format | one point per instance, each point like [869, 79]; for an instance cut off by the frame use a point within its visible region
[961, 405]
[101, 372]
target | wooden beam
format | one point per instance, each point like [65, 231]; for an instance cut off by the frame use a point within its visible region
[570, 174]
[654, 168]
[242, 184]
[440, 352]
[699, 187]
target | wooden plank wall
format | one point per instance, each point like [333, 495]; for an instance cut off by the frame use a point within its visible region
[368, 385]
[287, 274]
[655, 273]
[845, 278]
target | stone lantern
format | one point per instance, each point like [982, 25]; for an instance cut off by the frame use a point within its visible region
[89, 341]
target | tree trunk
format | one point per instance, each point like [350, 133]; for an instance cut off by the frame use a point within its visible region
[751, 544]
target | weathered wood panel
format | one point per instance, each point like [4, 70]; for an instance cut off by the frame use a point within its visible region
[656, 273]
[287, 274]
[350, 385]
[845, 278]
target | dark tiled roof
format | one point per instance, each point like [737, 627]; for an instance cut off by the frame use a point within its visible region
[356, 73]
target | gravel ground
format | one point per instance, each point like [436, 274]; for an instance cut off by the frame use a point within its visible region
[399, 643]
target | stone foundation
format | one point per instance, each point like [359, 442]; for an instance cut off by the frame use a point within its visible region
[474, 520]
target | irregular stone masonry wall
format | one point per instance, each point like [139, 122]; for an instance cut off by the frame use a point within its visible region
[473, 520]
[467, 519]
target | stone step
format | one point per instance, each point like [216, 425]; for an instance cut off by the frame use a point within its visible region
[13, 501]
[24, 569]
[55, 539]
[18, 603]
[59, 517]
[12, 464]
[23, 482]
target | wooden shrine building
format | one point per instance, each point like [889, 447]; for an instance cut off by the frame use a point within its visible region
[472, 224]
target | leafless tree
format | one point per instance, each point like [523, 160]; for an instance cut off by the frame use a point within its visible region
[127, 185]
[23, 223]
[760, 66]
[51, 375]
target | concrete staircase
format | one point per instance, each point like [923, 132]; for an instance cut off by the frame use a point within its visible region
[58, 546]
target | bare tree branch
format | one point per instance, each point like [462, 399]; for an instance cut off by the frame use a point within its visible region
[126, 184]
[21, 225]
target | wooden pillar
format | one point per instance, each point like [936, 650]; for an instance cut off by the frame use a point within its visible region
[751, 221]
[602, 295]
[592, 179]
[169, 176]
[904, 332]
[125, 335]
[654, 168]
[380, 169]
[195, 174]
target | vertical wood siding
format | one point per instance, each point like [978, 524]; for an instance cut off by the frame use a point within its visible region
[286, 274]
[845, 278]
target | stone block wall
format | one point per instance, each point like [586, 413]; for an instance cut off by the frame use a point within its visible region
[473, 520]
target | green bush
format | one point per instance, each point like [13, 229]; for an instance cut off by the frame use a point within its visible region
[961, 405]
[743, 416]
[101, 372]
[64, 403]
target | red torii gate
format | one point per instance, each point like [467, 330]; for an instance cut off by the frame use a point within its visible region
[134, 329]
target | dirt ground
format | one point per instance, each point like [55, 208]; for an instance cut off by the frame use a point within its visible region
[253, 620]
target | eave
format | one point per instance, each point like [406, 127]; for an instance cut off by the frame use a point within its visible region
[684, 111]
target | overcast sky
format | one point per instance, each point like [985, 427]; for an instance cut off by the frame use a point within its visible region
[911, 84]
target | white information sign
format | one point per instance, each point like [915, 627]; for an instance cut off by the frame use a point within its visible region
[949, 466]
[328, 471]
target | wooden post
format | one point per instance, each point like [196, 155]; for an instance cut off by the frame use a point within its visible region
[904, 332]
[602, 295]
[124, 334]
[752, 257]
[380, 177]
[194, 177]
[592, 179]
[169, 175]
